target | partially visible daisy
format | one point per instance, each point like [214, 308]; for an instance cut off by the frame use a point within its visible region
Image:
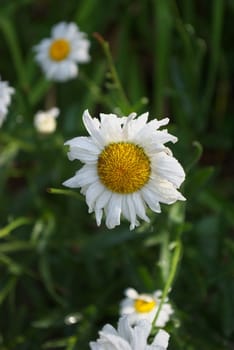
[145, 306]
[5, 99]
[45, 121]
[126, 168]
[59, 55]
[128, 337]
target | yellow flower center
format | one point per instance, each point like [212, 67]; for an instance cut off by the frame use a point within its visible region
[144, 305]
[123, 167]
[59, 49]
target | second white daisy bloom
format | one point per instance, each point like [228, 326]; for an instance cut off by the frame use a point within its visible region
[60, 54]
[129, 337]
[145, 306]
[126, 168]
[5, 99]
[45, 121]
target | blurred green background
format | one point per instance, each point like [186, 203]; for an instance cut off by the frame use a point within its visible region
[61, 277]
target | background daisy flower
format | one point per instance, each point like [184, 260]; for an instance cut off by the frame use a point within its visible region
[5, 99]
[144, 306]
[45, 121]
[59, 55]
[126, 167]
[128, 337]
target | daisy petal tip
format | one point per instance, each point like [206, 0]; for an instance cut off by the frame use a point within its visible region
[174, 140]
[131, 293]
[86, 112]
[132, 115]
[162, 338]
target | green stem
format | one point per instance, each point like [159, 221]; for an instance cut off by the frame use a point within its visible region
[113, 71]
[64, 192]
[170, 279]
[5, 231]
[176, 223]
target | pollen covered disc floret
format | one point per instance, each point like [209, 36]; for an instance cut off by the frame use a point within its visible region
[59, 49]
[126, 168]
[123, 167]
[143, 305]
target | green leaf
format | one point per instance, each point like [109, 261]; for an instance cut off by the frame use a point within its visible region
[10, 284]
[13, 225]
[45, 271]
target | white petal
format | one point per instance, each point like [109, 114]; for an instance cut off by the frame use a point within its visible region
[139, 206]
[148, 133]
[84, 149]
[73, 182]
[140, 334]
[161, 339]
[157, 294]
[127, 306]
[166, 192]
[113, 210]
[162, 136]
[94, 345]
[131, 293]
[158, 123]
[93, 127]
[59, 29]
[129, 212]
[66, 70]
[83, 142]
[111, 128]
[110, 341]
[124, 328]
[132, 126]
[98, 215]
[103, 199]
[169, 168]
[109, 329]
[150, 198]
[164, 315]
[85, 176]
[71, 32]
[79, 51]
[92, 193]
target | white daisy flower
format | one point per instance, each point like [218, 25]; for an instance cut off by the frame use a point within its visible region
[126, 167]
[145, 306]
[59, 55]
[45, 121]
[128, 337]
[5, 99]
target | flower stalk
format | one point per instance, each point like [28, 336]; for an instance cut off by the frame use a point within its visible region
[170, 279]
[106, 49]
[177, 245]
